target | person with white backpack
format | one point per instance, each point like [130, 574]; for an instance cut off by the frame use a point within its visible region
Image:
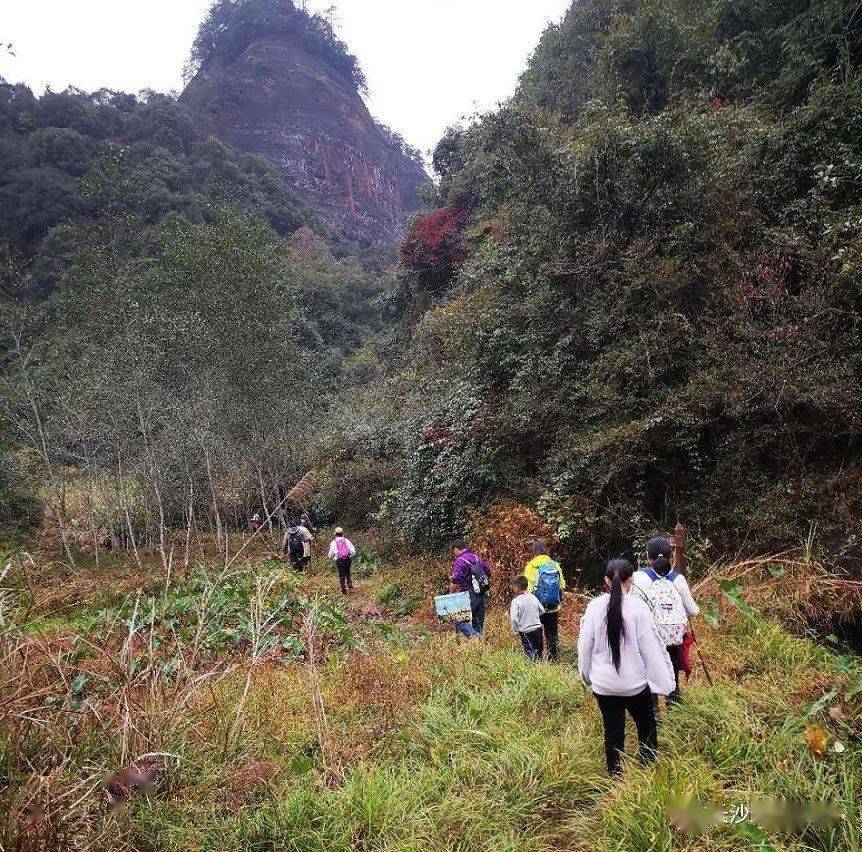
[669, 598]
[341, 552]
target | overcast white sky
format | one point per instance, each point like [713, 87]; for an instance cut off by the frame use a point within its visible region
[428, 62]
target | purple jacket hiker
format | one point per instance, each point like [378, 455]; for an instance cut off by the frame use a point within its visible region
[462, 577]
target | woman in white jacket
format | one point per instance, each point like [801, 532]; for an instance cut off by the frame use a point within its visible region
[622, 660]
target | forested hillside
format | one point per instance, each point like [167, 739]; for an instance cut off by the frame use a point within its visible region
[72, 158]
[173, 319]
[639, 299]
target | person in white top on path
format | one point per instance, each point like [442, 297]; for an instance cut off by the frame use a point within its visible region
[341, 552]
[525, 614]
[622, 660]
[671, 605]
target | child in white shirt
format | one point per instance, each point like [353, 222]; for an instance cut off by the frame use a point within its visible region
[524, 613]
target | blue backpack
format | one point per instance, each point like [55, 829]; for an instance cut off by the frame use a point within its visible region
[548, 588]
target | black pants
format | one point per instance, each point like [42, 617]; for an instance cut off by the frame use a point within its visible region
[613, 709]
[551, 624]
[478, 606]
[532, 642]
[344, 578]
[675, 653]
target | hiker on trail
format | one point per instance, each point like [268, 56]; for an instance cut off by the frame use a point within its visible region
[341, 552]
[526, 613]
[297, 546]
[256, 522]
[622, 660]
[669, 598]
[305, 520]
[470, 574]
[547, 583]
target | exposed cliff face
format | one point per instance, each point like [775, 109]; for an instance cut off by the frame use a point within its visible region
[281, 101]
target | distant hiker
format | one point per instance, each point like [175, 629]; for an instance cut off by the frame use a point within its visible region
[470, 574]
[525, 614]
[305, 520]
[256, 522]
[341, 552]
[622, 660]
[669, 598]
[297, 546]
[547, 583]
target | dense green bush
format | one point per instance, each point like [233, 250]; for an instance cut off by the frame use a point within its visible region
[657, 313]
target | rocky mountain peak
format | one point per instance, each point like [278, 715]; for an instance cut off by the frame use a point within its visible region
[281, 98]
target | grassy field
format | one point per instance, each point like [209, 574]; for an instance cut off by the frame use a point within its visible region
[261, 711]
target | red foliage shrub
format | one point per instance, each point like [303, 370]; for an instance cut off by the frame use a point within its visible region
[439, 435]
[766, 283]
[434, 248]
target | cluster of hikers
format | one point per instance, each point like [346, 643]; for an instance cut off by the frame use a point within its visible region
[634, 639]
[297, 543]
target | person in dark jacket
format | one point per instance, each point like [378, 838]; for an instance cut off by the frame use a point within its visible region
[297, 546]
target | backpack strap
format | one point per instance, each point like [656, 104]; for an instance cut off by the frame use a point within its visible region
[650, 573]
[642, 595]
[672, 575]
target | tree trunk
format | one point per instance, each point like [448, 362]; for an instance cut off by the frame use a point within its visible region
[42, 449]
[154, 476]
[216, 512]
[125, 506]
[189, 525]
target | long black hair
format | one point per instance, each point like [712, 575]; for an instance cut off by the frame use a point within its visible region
[619, 570]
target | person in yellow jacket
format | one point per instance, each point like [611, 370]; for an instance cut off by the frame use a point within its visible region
[545, 580]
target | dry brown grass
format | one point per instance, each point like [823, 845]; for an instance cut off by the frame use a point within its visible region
[503, 536]
[371, 699]
[790, 587]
